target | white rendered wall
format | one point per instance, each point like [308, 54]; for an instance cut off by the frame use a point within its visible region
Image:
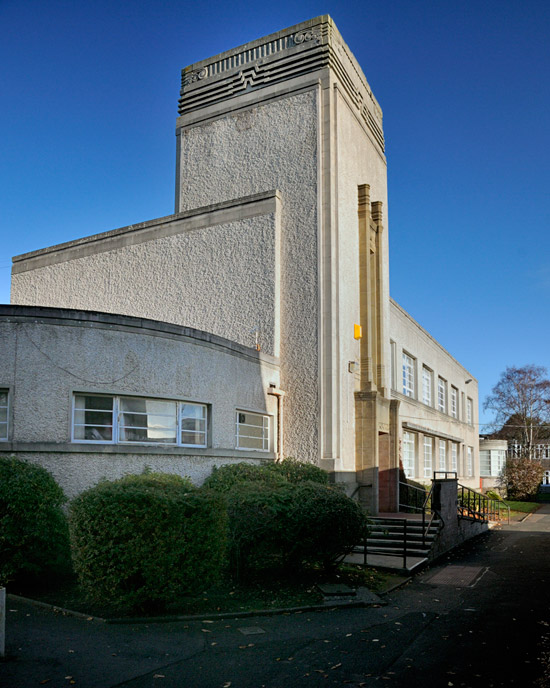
[273, 145]
[81, 353]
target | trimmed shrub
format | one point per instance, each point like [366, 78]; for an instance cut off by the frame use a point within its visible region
[34, 538]
[299, 471]
[226, 477]
[144, 540]
[521, 478]
[288, 525]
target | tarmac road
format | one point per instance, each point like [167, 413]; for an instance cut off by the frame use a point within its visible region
[478, 618]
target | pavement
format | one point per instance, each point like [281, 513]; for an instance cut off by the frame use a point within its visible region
[479, 617]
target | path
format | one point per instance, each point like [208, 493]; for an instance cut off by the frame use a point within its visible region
[476, 619]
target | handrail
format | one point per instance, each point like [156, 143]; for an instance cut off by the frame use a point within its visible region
[478, 506]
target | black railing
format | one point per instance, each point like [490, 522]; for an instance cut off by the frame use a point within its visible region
[367, 549]
[479, 507]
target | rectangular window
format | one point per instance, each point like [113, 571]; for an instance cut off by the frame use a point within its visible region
[408, 375]
[147, 421]
[252, 431]
[193, 425]
[427, 457]
[125, 420]
[484, 462]
[4, 413]
[427, 385]
[442, 455]
[408, 454]
[442, 394]
[93, 418]
[469, 411]
[454, 457]
[454, 402]
[470, 466]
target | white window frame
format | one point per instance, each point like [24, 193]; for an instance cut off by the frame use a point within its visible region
[5, 425]
[442, 463]
[408, 365]
[428, 450]
[266, 426]
[117, 422]
[409, 454]
[427, 385]
[454, 402]
[442, 394]
[454, 457]
[470, 462]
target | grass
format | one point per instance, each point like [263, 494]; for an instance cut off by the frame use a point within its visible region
[523, 507]
[266, 591]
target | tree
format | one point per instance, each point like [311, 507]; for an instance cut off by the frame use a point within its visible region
[521, 403]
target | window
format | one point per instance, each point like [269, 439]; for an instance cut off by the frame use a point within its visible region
[252, 431]
[454, 402]
[454, 457]
[93, 418]
[392, 365]
[491, 462]
[470, 465]
[408, 375]
[469, 411]
[442, 455]
[427, 385]
[427, 457]
[442, 394]
[4, 410]
[408, 454]
[101, 418]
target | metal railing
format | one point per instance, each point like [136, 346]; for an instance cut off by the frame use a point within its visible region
[415, 499]
[479, 507]
[382, 550]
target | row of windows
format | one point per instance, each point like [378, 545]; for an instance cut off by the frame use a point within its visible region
[434, 455]
[126, 420]
[446, 402]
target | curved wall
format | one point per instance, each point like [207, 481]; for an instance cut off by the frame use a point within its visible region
[51, 354]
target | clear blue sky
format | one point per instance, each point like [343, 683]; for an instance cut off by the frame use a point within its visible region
[89, 92]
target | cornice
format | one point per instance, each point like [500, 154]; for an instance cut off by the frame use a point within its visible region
[294, 52]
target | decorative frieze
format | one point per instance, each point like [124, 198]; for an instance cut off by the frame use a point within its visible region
[308, 48]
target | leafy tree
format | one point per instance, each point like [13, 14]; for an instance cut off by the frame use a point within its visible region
[521, 478]
[521, 403]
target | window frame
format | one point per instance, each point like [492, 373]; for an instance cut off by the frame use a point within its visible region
[117, 422]
[427, 377]
[408, 368]
[409, 457]
[442, 454]
[266, 430]
[428, 465]
[454, 402]
[469, 411]
[470, 462]
[441, 387]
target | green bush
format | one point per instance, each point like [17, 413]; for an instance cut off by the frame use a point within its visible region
[145, 540]
[226, 477]
[299, 471]
[34, 538]
[289, 525]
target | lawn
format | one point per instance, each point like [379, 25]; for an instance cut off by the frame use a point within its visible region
[264, 592]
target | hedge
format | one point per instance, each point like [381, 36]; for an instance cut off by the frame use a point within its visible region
[290, 525]
[34, 538]
[145, 540]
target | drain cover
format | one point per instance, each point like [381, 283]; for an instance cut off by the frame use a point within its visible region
[459, 576]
